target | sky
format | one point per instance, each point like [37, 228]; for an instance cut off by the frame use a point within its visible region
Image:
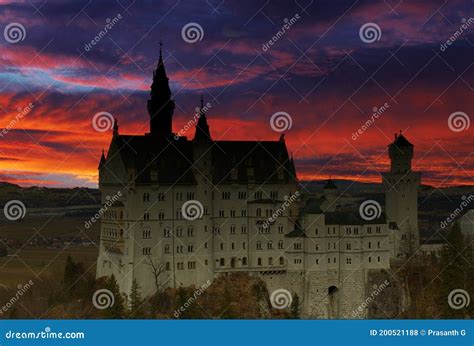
[324, 66]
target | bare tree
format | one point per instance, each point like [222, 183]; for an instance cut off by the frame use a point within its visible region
[157, 268]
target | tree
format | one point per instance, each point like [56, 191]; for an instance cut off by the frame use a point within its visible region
[157, 268]
[118, 307]
[456, 272]
[73, 275]
[136, 301]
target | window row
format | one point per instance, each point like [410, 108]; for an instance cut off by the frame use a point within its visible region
[281, 261]
[259, 245]
[180, 265]
[348, 260]
[113, 214]
[351, 230]
[160, 197]
[112, 232]
[217, 230]
[179, 232]
[232, 213]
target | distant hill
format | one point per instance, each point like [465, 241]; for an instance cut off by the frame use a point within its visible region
[430, 198]
[349, 186]
[43, 197]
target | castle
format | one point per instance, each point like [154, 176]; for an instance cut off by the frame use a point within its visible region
[179, 212]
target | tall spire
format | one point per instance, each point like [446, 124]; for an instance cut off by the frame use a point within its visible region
[160, 104]
[116, 127]
[102, 160]
[202, 128]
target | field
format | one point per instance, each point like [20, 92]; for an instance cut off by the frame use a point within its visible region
[38, 264]
[27, 261]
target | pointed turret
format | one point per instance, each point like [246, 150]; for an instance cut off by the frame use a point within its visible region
[116, 128]
[102, 160]
[160, 104]
[203, 133]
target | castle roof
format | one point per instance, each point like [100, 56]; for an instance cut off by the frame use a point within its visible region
[232, 161]
[163, 158]
[330, 185]
[351, 218]
[313, 205]
[258, 161]
[400, 141]
[297, 232]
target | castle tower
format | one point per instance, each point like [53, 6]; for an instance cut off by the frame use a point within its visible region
[202, 128]
[330, 193]
[160, 104]
[401, 198]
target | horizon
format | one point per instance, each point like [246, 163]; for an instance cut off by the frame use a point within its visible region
[326, 77]
[320, 181]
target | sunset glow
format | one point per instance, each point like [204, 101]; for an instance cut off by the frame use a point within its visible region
[319, 72]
